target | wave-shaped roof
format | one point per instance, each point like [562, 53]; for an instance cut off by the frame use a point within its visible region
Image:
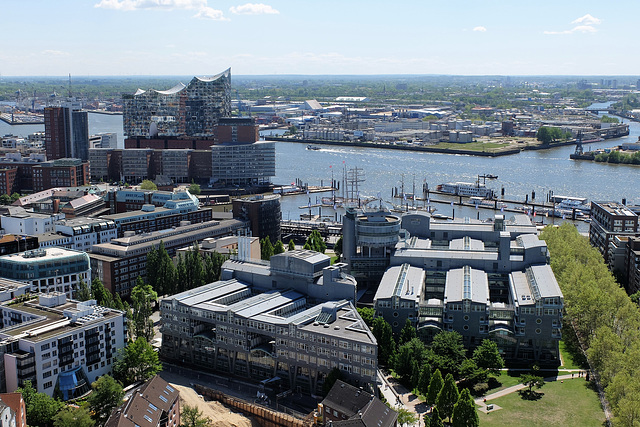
[225, 73]
[177, 88]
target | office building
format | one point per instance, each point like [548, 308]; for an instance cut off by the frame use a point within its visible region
[483, 280]
[119, 263]
[190, 111]
[263, 213]
[277, 335]
[66, 131]
[18, 221]
[8, 182]
[12, 243]
[60, 345]
[67, 172]
[86, 232]
[48, 270]
[243, 164]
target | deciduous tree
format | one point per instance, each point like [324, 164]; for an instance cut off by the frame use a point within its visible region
[148, 185]
[191, 416]
[143, 297]
[384, 336]
[107, 394]
[72, 417]
[40, 407]
[487, 356]
[138, 361]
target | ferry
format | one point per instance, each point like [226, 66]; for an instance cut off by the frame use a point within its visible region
[467, 189]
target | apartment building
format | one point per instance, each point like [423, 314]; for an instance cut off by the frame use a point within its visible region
[609, 219]
[60, 345]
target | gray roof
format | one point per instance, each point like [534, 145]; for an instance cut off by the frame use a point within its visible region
[404, 281]
[534, 283]
[470, 285]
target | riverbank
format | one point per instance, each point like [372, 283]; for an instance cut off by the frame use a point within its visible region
[490, 150]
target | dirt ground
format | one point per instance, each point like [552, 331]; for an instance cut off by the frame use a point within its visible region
[220, 415]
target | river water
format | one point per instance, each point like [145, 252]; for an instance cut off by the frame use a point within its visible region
[539, 171]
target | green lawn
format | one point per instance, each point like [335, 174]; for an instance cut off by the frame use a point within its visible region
[571, 403]
[571, 360]
[473, 146]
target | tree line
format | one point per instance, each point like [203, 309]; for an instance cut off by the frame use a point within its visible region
[605, 319]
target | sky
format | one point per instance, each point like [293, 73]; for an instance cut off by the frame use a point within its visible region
[205, 37]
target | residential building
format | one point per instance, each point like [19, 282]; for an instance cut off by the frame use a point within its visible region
[263, 213]
[86, 232]
[60, 345]
[631, 265]
[48, 270]
[119, 263]
[8, 183]
[349, 406]
[18, 407]
[277, 335]
[66, 131]
[154, 404]
[609, 219]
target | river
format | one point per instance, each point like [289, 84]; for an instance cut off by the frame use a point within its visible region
[519, 174]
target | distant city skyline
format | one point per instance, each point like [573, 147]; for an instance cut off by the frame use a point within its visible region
[203, 37]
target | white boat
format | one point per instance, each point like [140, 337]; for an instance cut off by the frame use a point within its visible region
[481, 201]
[467, 189]
[570, 204]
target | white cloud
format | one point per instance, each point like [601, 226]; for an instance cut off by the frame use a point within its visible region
[54, 53]
[254, 9]
[587, 26]
[480, 29]
[587, 20]
[210, 13]
[126, 5]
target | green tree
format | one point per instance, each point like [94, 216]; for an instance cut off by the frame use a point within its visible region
[14, 197]
[472, 373]
[531, 380]
[106, 396]
[464, 411]
[40, 407]
[5, 199]
[449, 352]
[424, 379]
[434, 420]
[138, 361]
[194, 189]
[143, 297]
[315, 242]
[435, 385]
[191, 416]
[487, 356]
[334, 375]
[100, 293]
[181, 275]
[409, 358]
[544, 135]
[407, 333]
[367, 315]
[406, 417]
[337, 248]
[148, 185]
[384, 336]
[292, 245]
[213, 266]
[161, 270]
[266, 249]
[72, 417]
[278, 248]
[83, 293]
[448, 396]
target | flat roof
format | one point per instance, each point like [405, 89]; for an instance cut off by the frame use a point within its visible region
[404, 281]
[467, 284]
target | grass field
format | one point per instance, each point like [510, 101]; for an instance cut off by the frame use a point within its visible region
[473, 146]
[571, 360]
[571, 403]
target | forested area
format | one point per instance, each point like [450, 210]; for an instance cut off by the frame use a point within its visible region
[605, 318]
